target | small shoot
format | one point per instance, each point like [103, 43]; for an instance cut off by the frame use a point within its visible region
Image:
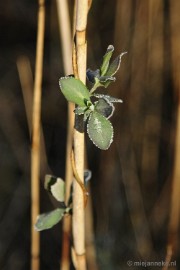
[56, 187]
[95, 113]
[105, 75]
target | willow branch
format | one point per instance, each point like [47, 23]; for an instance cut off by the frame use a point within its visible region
[78, 179]
[78, 196]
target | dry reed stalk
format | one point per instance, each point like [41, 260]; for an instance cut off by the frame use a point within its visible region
[26, 80]
[66, 41]
[173, 228]
[35, 153]
[78, 224]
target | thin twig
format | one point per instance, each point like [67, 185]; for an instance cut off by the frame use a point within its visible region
[78, 179]
[35, 154]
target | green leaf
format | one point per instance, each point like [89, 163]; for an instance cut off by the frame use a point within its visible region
[109, 98]
[106, 80]
[104, 107]
[56, 186]
[48, 220]
[100, 130]
[74, 90]
[115, 65]
[106, 59]
[107, 83]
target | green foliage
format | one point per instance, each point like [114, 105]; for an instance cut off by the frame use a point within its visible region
[105, 75]
[74, 90]
[56, 186]
[99, 129]
[48, 220]
[104, 107]
[106, 59]
[109, 98]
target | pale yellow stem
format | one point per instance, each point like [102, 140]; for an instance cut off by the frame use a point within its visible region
[66, 42]
[35, 154]
[78, 225]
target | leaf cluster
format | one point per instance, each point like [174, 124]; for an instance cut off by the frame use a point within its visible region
[56, 187]
[95, 108]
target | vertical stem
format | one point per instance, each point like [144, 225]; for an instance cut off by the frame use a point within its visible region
[35, 154]
[66, 41]
[26, 80]
[78, 199]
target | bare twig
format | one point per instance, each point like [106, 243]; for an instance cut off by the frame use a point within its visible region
[35, 154]
[78, 179]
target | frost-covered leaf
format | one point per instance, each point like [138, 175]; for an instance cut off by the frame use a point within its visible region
[104, 79]
[91, 75]
[104, 107]
[80, 110]
[56, 186]
[100, 130]
[107, 83]
[109, 98]
[74, 90]
[86, 115]
[114, 66]
[106, 59]
[48, 220]
[87, 176]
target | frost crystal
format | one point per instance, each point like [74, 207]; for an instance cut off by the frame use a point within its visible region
[97, 125]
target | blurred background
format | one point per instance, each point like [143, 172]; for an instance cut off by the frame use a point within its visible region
[131, 186]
